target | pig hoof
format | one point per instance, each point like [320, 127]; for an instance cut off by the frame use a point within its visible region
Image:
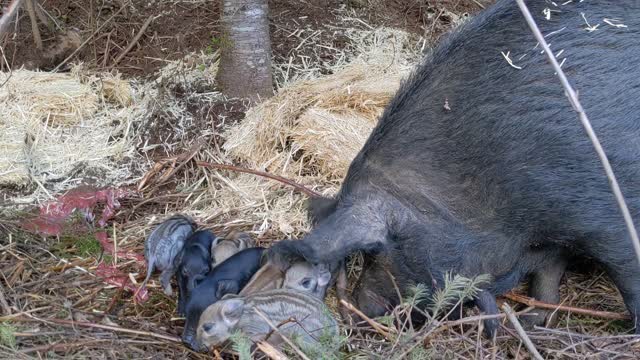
[286, 252]
[486, 303]
[538, 317]
[491, 327]
[168, 291]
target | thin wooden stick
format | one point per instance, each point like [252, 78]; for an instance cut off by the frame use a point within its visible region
[381, 329]
[440, 326]
[539, 304]
[60, 346]
[9, 13]
[135, 40]
[103, 327]
[89, 38]
[281, 179]
[270, 351]
[293, 346]
[216, 354]
[37, 39]
[573, 99]
[523, 334]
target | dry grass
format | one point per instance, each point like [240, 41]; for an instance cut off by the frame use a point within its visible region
[55, 128]
[308, 132]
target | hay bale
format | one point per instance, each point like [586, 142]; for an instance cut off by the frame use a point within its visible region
[316, 124]
[312, 129]
[53, 125]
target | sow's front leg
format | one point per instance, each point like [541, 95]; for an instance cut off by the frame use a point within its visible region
[345, 231]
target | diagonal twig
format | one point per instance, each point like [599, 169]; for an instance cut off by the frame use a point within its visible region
[381, 329]
[275, 328]
[573, 99]
[523, 334]
[103, 327]
[89, 38]
[283, 180]
[135, 39]
[542, 305]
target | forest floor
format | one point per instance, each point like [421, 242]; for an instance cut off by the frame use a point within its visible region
[68, 293]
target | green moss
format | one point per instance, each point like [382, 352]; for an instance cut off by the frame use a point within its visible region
[78, 245]
[241, 345]
[8, 335]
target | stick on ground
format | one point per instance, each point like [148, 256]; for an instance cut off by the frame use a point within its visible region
[261, 173]
[383, 330]
[135, 40]
[542, 305]
[275, 328]
[523, 334]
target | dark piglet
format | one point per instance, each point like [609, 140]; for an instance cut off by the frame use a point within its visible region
[229, 277]
[481, 167]
[192, 264]
[163, 245]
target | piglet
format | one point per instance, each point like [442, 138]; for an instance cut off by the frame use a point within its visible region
[312, 318]
[229, 277]
[311, 279]
[162, 246]
[301, 276]
[222, 249]
[193, 263]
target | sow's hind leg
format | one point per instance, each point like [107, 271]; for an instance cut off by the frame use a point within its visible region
[621, 263]
[544, 286]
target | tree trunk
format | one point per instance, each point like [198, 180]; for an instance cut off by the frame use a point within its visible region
[245, 50]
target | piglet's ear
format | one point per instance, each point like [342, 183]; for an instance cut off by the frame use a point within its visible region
[323, 274]
[215, 242]
[232, 311]
[227, 287]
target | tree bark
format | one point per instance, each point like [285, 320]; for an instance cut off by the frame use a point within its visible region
[245, 50]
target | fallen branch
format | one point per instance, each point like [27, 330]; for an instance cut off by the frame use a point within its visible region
[381, 329]
[103, 327]
[542, 305]
[281, 179]
[523, 334]
[60, 346]
[135, 40]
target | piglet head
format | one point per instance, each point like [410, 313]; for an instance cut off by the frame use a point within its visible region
[218, 322]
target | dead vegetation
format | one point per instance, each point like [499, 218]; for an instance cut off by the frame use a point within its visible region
[70, 295]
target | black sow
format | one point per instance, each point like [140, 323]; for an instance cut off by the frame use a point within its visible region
[480, 166]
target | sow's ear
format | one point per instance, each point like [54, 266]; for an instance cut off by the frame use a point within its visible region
[232, 311]
[320, 208]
